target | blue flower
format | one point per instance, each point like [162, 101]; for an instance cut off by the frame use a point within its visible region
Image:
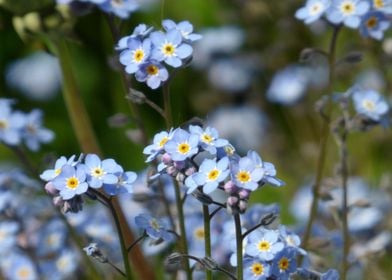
[136, 53]
[254, 269]
[291, 239]
[159, 142]
[50, 174]
[348, 12]
[185, 27]
[51, 238]
[140, 32]
[33, 132]
[284, 263]
[183, 145]
[8, 235]
[124, 183]
[71, 181]
[246, 174]
[268, 169]
[100, 172]
[312, 10]
[263, 244]
[121, 8]
[370, 104]
[155, 228]
[373, 24]
[209, 138]
[152, 72]
[210, 174]
[20, 267]
[170, 48]
[11, 123]
[383, 6]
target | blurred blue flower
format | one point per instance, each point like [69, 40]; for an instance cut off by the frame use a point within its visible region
[71, 181]
[384, 6]
[369, 104]
[37, 76]
[152, 72]
[255, 269]
[11, 123]
[155, 228]
[124, 183]
[18, 266]
[185, 28]
[33, 132]
[8, 235]
[313, 10]
[373, 24]
[170, 48]
[51, 238]
[120, 8]
[348, 12]
[140, 32]
[263, 244]
[136, 53]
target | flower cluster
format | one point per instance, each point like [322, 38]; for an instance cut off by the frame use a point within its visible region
[17, 127]
[120, 8]
[144, 51]
[71, 178]
[370, 16]
[204, 162]
[271, 253]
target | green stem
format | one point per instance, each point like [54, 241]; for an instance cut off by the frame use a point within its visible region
[207, 238]
[181, 220]
[325, 131]
[238, 238]
[167, 105]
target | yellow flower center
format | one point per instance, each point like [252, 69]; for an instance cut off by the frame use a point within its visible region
[243, 176]
[62, 263]
[152, 69]
[199, 233]
[168, 49]
[371, 22]
[138, 55]
[369, 105]
[229, 150]
[183, 148]
[347, 8]
[3, 124]
[264, 246]
[213, 174]
[117, 3]
[257, 269]
[72, 183]
[57, 171]
[52, 239]
[378, 4]
[206, 138]
[315, 8]
[284, 263]
[24, 272]
[163, 142]
[97, 172]
[154, 223]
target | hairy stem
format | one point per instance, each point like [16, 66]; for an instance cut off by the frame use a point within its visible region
[207, 238]
[238, 237]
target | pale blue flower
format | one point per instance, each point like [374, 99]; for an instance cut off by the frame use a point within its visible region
[170, 48]
[159, 142]
[268, 169]
[183, 145]
[50, 174]
[208, 138]
[153, 73]
[71, 181]
[185, 27]
[155, 228]
[373, 24]
[51, 238]
[211, 173]
[11, 123]
[284, 264]
[124, 183]
[34, 133]
[370, 104]
[120, 8]
[254, 269]
[313, 10]
[263, 244]
[8, 235]
[384, 6]
[246, 174]
[348, 12]
[100, 172]
[20, 267]
[136, 53]
[140, 32]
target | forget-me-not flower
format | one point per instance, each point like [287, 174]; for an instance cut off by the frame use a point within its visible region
[170, 48]
[11, 123]
[185, 27]
[153, 73]
[183, 145]
[263, 244]
[160, 139]
[100, 172]
[246, 174]
[312, 10]
[124, 182]
[209, 138]
[373, 24]
[121, 8]
[255, 269]
[155, 228]
[50, 174]
[284, 264]
[140, 32]
[383, 6]
[136, 53]
[348, 12]
[71, 181]
[370, 104]
[33, 132]
[20, 267]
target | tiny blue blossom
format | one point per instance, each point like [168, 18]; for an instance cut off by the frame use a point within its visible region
[246, 174]
[185, 27]
[11, 123]
[263, 244]
[155, 228]
[100, 172]
[140, 32]
[284, 264]
[136, 53]
[8, 235]
[370, 104]
[121, 8]
[33, 133]
[50, 174]
[71, 181]
[209, 138]
[268, 169]
[183, 145]
[210, 174]
[159, 142]
[170, 48]
[373, 24]
[348, 12]
[153, 73]
[20, 267]
[124, 182]
[312, 10]
[255, 269]
[384, 6]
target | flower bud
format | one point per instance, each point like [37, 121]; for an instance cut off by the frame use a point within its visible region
[244, 194]
[242, 205]
[230, 187]
[50, 189]
[166, 159]
[190, 171]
